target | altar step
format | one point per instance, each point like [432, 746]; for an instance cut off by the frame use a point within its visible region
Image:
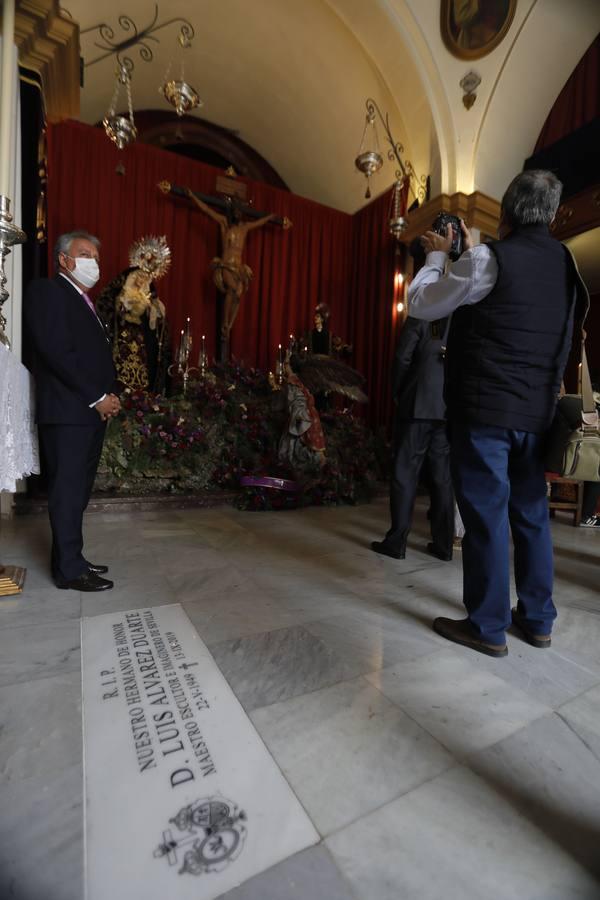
[116, 503]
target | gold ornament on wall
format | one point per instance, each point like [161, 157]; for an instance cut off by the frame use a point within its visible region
[469, 84]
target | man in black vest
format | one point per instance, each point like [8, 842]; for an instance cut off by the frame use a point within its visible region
[74, 375]
[512, 304]
[420, 434]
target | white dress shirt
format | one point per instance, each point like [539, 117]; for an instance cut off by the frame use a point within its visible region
[434, 295]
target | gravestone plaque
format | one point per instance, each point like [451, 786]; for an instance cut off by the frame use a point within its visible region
[182, 798]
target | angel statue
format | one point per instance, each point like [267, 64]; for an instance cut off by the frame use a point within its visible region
[302, 443]
[329, 375]
[232, 276]
[136, 318]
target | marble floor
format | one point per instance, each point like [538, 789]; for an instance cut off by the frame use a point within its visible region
[429, 771]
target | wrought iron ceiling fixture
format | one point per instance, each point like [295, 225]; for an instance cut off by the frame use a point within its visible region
[369, 161]
[137, 38]
[179, 93]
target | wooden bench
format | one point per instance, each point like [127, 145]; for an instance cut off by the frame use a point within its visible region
[573, 506]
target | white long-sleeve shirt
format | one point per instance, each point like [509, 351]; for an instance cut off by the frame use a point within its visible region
[434, 295]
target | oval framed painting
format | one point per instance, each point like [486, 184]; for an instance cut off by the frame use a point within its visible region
[473, 28]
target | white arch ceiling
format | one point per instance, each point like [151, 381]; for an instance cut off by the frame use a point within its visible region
[291, 77]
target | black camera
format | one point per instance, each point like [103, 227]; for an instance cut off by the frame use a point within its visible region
[440, 226]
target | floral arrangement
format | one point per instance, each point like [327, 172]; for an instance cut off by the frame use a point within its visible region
[227, 426]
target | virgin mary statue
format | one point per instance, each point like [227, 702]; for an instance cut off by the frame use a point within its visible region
[136, 317]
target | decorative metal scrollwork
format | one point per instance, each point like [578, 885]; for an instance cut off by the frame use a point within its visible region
[418, 185]
[137, 38]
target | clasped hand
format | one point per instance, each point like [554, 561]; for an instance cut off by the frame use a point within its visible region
[431, 240]
[109, 407]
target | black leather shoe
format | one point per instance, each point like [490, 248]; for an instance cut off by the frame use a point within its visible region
[434, 551]
[97, 570]
[86, 582]
[386, 550]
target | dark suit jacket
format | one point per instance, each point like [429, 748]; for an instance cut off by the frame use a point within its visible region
[418, 371]
[72, 356]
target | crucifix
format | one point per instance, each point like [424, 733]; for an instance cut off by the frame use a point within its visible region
[230, 274]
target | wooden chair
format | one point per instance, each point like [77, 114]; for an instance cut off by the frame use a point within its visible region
[573, 506]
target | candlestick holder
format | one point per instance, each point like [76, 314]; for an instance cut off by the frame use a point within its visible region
[183, 370]
[12, 578]
[203, 359]
[10, 234]
[279, 373]
[182, 367]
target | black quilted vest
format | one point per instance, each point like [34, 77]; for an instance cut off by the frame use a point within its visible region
[506, 354]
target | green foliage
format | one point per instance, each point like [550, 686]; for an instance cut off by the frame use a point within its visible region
[228, 426]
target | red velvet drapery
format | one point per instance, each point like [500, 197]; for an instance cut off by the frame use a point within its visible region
[376, 323]
[578, 102]
[328, 256]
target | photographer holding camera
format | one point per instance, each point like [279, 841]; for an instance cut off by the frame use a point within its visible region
[512, 304]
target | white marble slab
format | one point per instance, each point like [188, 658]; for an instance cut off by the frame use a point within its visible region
[183, 799]
[456, 838]
[40, 727]
[38, 651]
[362, 751]
[583, 716]
[41, 839]
[465, 708]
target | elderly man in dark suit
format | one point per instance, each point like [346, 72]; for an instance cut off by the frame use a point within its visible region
[74, 375]
[420, 435]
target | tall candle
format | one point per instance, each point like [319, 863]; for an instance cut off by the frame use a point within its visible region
[187, 344]
[202, 355]
[6, 97]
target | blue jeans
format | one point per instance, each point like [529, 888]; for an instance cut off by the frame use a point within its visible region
[499, 482]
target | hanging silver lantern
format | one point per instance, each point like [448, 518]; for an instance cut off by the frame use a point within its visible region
[181, 95]
[178, 92]
[398, 223]
[369, 161]
[120, 129]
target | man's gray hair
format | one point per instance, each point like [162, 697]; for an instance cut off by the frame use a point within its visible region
[63, 244]
[531, 198]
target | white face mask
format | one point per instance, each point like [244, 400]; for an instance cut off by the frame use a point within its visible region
[86, 271]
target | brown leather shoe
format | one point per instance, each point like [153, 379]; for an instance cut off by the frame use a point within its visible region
[536, 640]
[462, 632]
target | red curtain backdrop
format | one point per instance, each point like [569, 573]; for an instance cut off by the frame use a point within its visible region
[578, 102]
[328, 256]
[376, 323]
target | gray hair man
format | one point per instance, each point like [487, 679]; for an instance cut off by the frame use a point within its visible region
[512, 304]
[74, 376]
